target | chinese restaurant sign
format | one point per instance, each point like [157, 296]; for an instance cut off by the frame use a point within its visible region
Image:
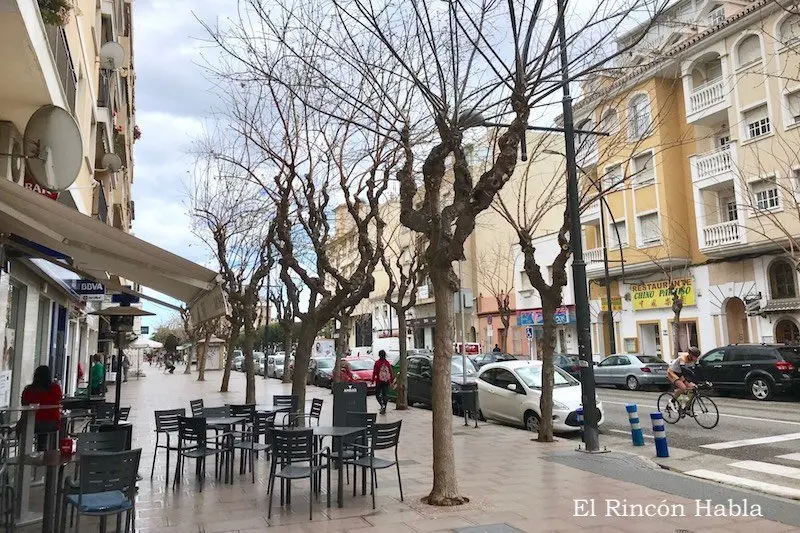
[656, 294]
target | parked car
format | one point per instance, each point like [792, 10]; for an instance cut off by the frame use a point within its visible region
[361, 368]
[323, 371]
[762, 370]
[509, 392]
[259, 362]
[632, 371]
[238, 363]
[419, 378]
[569, 363]
[276, 366]
[492, 357]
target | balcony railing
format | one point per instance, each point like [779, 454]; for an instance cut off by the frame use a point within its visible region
[595, 255]
[721, 234]
[707, 95]
[66, 69]
[714, 163]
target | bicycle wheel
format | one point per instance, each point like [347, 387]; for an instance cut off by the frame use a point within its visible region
[705, 412]
[669, 408]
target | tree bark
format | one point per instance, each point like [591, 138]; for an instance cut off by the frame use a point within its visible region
[550, 303]
[445, 482]
[343, 339]
[201, 360]
[229, 342]
[677, 307]
[302, 355]
[250, 387]
[401, 403]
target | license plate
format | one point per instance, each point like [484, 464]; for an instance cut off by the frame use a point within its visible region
[659, 370]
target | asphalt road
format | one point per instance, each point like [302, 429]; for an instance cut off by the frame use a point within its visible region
[740, 419]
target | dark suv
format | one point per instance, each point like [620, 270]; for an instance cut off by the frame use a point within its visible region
[759, 369]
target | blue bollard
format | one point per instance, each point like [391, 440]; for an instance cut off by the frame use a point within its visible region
[636, 428]
[660, 434]
[580, 420]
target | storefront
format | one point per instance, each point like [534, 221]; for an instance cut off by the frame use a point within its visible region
[566, 337]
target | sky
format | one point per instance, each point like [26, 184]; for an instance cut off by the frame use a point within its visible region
[173, 97]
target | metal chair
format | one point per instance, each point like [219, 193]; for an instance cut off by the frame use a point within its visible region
[166, 424]
[197, 407]
[106, 441]
[287, 405]
[358, 420]
[7, 495]
[280, 401]
[294, 458]
[263, 425]
[124, 412]
[193, 444]
[316, 409]
[222, 411]
[106, 487]
[382, 437]
[102, 412]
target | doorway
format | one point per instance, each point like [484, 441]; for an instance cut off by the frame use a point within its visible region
[787, 332]
[736, 318]
[650, 339]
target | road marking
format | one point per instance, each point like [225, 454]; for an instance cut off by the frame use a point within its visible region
[751, 442]
[768, 468]
[741, 417]
[628, 433]
[790, 456]
[769, 488]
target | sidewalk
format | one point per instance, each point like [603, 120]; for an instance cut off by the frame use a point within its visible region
[515, 484]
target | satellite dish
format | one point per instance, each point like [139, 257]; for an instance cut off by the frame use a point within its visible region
[111, 163]
[53, 148]
[112, 55]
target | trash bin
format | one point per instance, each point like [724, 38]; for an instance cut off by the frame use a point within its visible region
[466, 397]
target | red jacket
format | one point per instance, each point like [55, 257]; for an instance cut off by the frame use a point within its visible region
[376, 370]
[51, 396]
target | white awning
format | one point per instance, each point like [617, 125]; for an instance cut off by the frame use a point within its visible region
[102, 250]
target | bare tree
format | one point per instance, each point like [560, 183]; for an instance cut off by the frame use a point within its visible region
[496, 273]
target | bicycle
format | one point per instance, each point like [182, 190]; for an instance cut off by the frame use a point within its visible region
[699, 406]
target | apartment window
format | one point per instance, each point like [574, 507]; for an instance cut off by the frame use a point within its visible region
[748, 51]
[586, 143]
[796, 179]
[781, 280]
[757, 122]
[642, 169]
[728, 209]
[649, 230]
[716, 16]
[524, 282]
[789, 30]
[639, 116]
[766, 195]
[610, 122]
[612, 178]
[723, 140]
[793, 106]
[617, 234]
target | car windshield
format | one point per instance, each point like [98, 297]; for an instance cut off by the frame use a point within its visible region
[279, 359]
[324, 363]
[532, 376]
[456, 368]
[360, 364]
[649, 359]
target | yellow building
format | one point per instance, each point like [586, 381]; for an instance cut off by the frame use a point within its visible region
[699, 176]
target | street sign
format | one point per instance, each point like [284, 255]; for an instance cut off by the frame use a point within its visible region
[489, 331]
[89, 290]
[529, 332]
[489, 320]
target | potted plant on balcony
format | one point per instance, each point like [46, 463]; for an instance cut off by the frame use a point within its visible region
[56, 12]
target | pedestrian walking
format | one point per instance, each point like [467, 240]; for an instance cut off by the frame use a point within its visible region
[383, 377]
[496, 349]
[97, 377]
[126, 365]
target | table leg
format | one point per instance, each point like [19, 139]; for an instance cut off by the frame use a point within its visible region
[22, 482]
[337, 444]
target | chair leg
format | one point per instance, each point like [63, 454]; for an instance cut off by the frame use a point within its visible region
[271, 492]
[328, 483]
[155, 453]
[311, 497]
[252, 467]
[372, 485]
[399, 481]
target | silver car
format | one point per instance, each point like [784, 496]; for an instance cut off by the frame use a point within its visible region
[632, 371]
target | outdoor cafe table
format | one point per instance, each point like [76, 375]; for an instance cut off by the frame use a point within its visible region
[54, 462]
[227, 423]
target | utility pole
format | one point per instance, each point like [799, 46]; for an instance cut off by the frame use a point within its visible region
[611, 337]
[266, 330]
[591, 435]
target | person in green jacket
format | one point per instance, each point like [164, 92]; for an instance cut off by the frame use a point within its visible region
[97, 376]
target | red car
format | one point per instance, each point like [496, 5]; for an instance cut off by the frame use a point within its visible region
[361, 369]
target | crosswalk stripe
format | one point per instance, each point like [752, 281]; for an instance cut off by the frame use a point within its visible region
[751, 442]
[768, 468]
[769, 488]
[790, 456]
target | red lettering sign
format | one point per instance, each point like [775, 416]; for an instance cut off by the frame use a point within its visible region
[31, 185]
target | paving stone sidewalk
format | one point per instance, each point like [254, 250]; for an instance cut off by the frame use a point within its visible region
[512, 483]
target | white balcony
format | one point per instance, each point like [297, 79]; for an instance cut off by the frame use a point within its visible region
[707, 100]
[724, 234]
[591, 214]
[715, 167]
[593, 258]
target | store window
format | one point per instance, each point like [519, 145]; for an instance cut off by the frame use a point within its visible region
[687, 335]
[11, 305]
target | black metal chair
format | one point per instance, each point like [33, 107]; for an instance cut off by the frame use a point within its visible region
[250, 443]
[196, 407]
[294, 458]
[102, 413]
[106, 441]
[382, 437]
[358, 420]
[166, 424]
[124, 412]
[285, 406]
[106, 487]
[193, 444]
[316, 409]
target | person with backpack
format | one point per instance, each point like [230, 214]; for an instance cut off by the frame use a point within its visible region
[383, 377]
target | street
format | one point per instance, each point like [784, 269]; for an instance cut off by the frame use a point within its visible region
[755, 444]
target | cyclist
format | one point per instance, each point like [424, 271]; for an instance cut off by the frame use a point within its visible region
[676, 371]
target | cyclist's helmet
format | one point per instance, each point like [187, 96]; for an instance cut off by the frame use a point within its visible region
[694, 351]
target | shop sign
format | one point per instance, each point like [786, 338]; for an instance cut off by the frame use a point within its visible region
[616, 303]
[423, 292]
[563, 315]
[89, 290]
[31, 185]
[657, 295]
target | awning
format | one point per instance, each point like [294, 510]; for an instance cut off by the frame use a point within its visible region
[779, 306]
[103, 251]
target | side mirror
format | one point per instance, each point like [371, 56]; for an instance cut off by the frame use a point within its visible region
[512, 387]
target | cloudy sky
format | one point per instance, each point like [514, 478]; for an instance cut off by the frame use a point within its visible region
[173, 97]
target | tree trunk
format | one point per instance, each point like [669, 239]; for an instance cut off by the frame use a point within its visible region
[343, 339]
[506, 320]
[549, 305]
[401, 403]
[201, 360]
[302, 355]
[229, 341]
[445, 482]
[250, 387]
[192, 345]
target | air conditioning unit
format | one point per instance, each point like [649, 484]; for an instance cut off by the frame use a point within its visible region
[12, 164]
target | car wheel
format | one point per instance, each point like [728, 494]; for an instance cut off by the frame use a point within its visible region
[532, 421]
[632, 383]
[760, 388]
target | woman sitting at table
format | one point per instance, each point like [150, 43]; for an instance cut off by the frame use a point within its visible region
[44, 391]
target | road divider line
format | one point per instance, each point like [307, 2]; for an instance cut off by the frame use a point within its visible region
[790, 456]
[736, 481]
[751, 442]
[768, 468]
[741, 417]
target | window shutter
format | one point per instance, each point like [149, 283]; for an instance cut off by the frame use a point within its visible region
[749, 50]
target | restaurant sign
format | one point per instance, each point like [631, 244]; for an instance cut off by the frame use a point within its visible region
[616, 303]
[563, 315]
[657, 294]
